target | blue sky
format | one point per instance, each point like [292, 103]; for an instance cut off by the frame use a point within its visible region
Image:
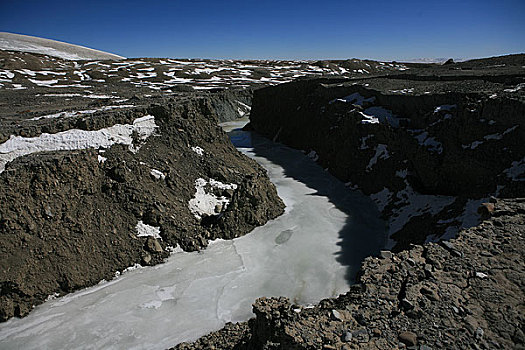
[321, 29]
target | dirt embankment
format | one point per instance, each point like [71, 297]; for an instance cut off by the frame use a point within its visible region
[72, 218]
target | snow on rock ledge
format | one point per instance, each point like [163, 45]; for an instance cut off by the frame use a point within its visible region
[74, 139]
[207, 203]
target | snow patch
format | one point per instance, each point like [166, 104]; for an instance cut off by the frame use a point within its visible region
[374, 115]
[356, 98]
[411, 203]
[516, 172]
[517, 88]
[313, 156]
[430, 142]
[381, 198]
[157, 174]
[73, 113]
[447, 108]
[363, 141]
[381, 153]
[197, 150]
[74, 139]
[145, 230]
[207, 203]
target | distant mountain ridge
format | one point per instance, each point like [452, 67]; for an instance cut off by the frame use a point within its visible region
[26, 43]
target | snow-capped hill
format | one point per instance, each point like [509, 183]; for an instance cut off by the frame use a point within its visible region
[25, 43]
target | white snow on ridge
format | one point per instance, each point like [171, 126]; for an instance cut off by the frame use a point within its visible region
[497, 136]
[75, 139]
[355, 99]
[48, 83]
[73, 113]
[25, 43]
[157, 174]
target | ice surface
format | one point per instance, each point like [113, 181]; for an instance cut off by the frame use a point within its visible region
[73, 139]
[301, 254]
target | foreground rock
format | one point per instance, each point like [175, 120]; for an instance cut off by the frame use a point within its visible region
[70, 218]
[466, 293]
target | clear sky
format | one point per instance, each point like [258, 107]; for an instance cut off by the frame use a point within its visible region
[376, 29]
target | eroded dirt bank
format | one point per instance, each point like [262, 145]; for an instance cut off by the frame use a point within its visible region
[71, 218]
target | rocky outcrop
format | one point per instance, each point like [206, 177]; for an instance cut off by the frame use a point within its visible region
[425, 158]
[430, 147]
[464, 293]
[72, 218]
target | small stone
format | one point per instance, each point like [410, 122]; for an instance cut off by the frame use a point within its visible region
[448, 245]
[479, 333]
[408, 338]
[348, 336]
[406, 304]
[486, 210]
[481, 275]
[153, 245]
[361, 335]
[424, 347]
[385, 254]
[146, 258]
[337, 315]
[47, 211]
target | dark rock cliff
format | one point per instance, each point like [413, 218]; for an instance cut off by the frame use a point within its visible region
[422, 156]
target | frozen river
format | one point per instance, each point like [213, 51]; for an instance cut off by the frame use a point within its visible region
[307, 254]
